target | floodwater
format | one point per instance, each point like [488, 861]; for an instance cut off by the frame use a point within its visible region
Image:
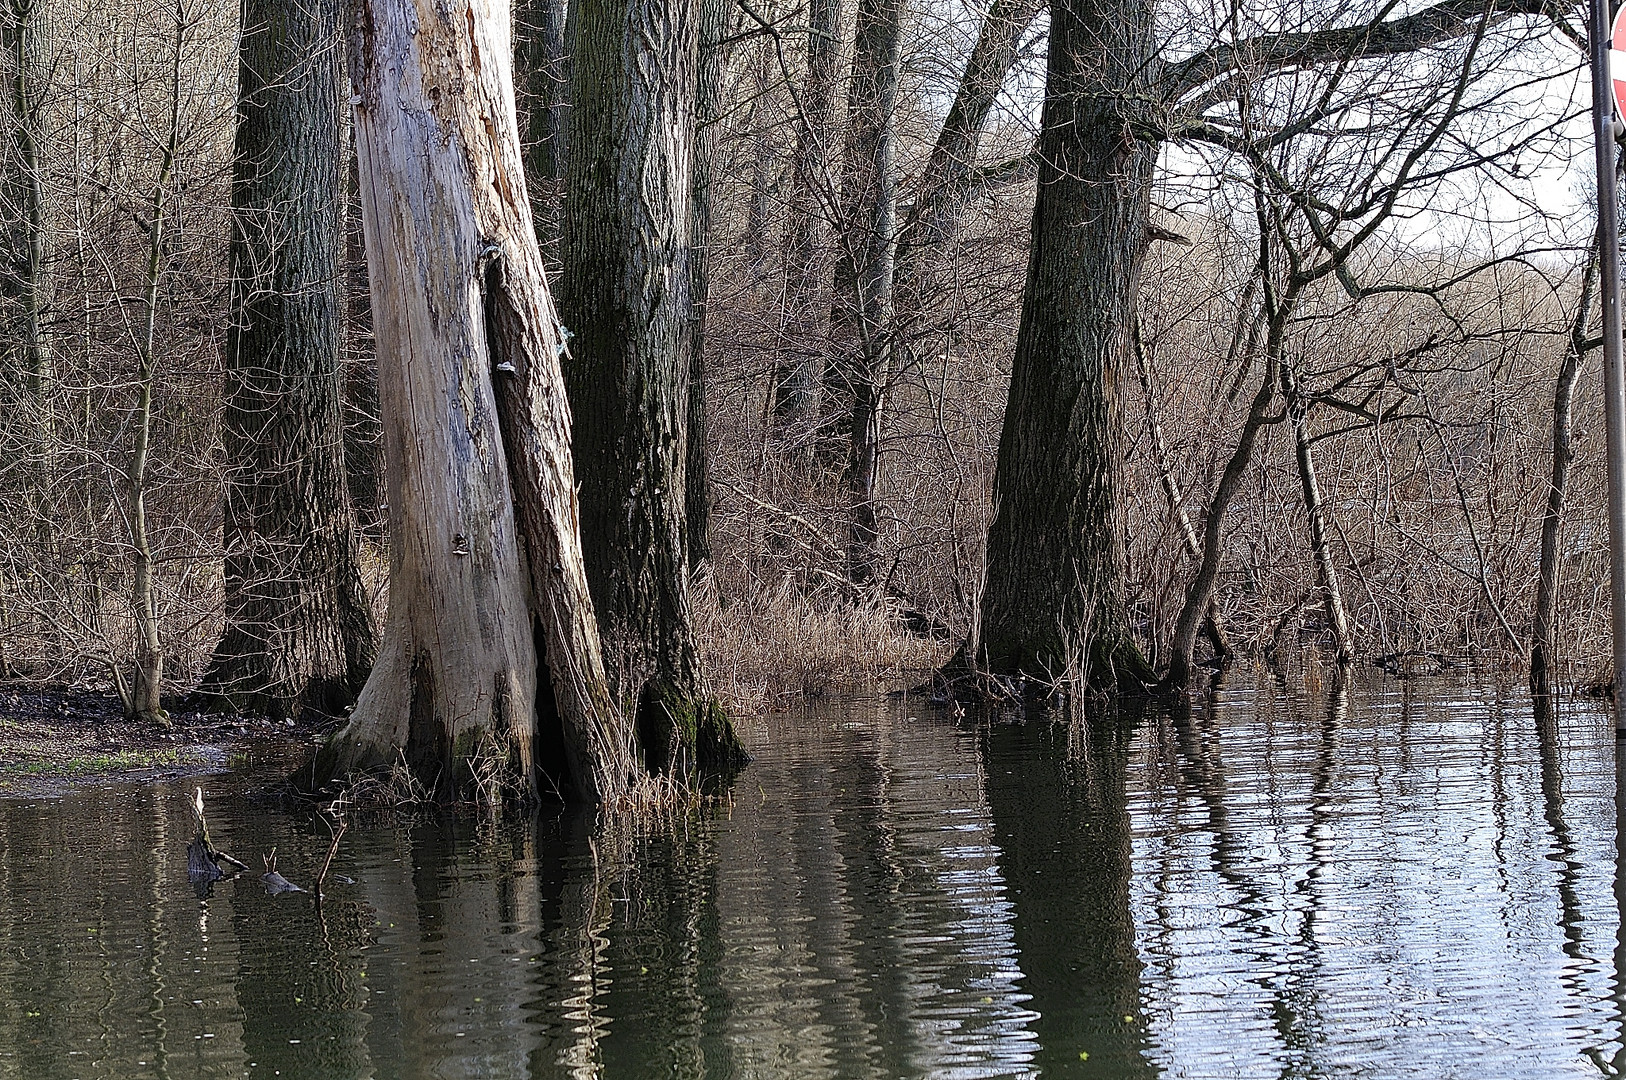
[1407, 880]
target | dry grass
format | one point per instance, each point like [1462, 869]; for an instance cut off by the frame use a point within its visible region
[767, 646]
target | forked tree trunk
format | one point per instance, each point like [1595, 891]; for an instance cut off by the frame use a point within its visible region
[626, 296]
[298, 631]
[1054, 602]
[478, 658]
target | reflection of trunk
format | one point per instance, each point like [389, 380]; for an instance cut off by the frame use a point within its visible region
[141, 696]
[460, 303]
[1061, 824]
[708, 131]
[796, 391]
[861, 318]
[626, 295]
[1054, 600]
[1544, 622]
[298, 628]
[1298, 415]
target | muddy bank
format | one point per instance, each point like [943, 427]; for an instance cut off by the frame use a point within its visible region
[53, 737]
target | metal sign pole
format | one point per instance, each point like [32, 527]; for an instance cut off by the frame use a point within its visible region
[1614, 375]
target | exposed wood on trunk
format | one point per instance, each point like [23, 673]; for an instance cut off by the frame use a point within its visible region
[487, 590]
[298, 631]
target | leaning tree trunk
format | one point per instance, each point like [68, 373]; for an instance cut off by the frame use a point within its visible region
[479, 659]
[1054, 602]
[298, 633]
[626, 296]
[1543, 625]
[945, 187]
[1315, 510]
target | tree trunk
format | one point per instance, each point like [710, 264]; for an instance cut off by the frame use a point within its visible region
[626, 296]
[544, 67]
[141, 697]
[708, 132]
[945, 187]
[298, 631]
[1199, 607]
[27, 282]
[477, 495]
[1552, 519]
[796, 383]
[1054, 601]
[1298, 416]
[861, 315]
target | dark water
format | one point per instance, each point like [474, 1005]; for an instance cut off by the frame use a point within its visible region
[1402, 882]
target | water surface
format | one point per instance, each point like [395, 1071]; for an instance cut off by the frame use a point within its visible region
[1407, 880]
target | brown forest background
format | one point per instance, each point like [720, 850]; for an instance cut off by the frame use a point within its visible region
[1434, 485]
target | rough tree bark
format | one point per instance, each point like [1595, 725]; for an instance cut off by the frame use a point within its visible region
[1054, 602]
[298, 631]
[479, 657]
[626, 296]
[1543, 623]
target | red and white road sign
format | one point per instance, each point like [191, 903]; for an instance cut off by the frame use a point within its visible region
[1617, 60]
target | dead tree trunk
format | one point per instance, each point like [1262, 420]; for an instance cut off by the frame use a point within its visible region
[479, 657]
[298, 631]
[1543, 624]
[626, 296]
